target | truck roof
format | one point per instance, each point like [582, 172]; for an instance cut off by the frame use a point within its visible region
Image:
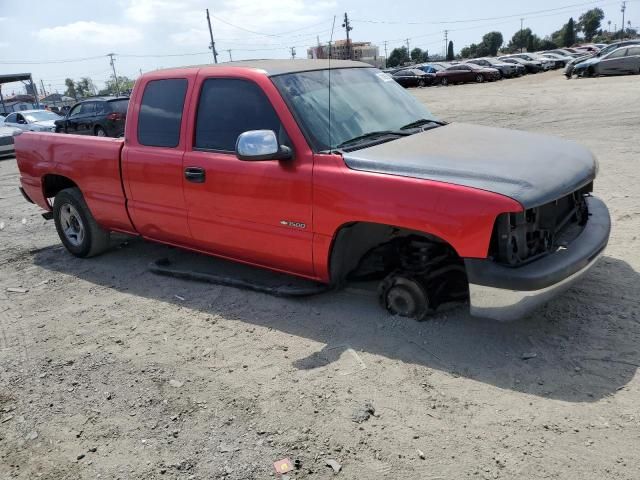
[280, 67]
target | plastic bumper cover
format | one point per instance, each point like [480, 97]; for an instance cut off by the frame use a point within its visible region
[508, 293]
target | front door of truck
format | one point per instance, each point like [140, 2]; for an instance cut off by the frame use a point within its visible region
[152, 161]
[254, 211]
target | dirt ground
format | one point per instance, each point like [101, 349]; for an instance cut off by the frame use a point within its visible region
[108, 371]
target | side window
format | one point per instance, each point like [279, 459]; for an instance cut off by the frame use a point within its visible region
[100, 107]
[88, 108]
[618, 53]
[229, 107]
[12, 118]
[20, 119]
[75, 110]
[161, 112]
[633, 51]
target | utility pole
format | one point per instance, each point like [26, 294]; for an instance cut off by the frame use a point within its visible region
[212, 45]
[347, 26]
[446, 43]
[44, 92]
[622, 9]
[385, 54]
[521, 38]
[408, 50]
[293, 53]
[229, 52]
[115, 76]
[609, 24]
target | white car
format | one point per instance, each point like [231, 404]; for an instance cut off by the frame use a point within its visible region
[6, 139]
[32, 120]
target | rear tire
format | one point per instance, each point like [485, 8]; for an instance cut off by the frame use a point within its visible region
[78, 230]
[444, 82]
[479, 78]
[100, 132]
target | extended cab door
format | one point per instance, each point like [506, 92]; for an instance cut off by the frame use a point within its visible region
[152, 159]
[253, 211]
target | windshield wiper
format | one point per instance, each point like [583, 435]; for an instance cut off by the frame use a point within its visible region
[420, 122]
[367, 136]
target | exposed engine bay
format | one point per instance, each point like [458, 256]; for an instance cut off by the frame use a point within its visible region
[522, 237]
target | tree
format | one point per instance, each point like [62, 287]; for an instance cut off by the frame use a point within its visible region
[450, 52]
[71, 88]
[589, 22]
[492, 41]
[417, 55]
[519, 40]
[546, 44]
[85, 87]
[124, 84]
[398, 57]
[569, 34]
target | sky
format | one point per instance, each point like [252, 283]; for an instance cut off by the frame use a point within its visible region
[49, 37]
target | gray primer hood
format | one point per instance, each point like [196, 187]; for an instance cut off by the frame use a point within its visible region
[530, 168]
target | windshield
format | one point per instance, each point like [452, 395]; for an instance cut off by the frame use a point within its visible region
[363, 100]
[40, 116]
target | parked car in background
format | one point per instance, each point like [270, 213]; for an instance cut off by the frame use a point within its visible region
[531, 67]
[623, 60]
[546, 63]
[102, 117]
[466, 72]
[6, 139]
[429, 67]
[568, 71]
[507, 70]
[560, 60]
[413, 77]
[563, 51]
[32, 120]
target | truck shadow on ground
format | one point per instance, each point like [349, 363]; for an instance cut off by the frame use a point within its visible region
[581, 347]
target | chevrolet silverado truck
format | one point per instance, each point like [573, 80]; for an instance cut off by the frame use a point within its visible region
[330, 171]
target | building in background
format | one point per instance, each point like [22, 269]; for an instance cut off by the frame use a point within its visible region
[361, 51]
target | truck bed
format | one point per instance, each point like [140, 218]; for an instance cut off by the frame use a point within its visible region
[91, 163]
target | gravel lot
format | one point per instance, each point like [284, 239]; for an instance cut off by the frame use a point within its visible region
[108, 371]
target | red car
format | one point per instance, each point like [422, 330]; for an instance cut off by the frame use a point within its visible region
[466, 72]
[328, 171]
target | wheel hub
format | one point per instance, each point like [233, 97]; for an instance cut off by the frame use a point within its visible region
[72, 225]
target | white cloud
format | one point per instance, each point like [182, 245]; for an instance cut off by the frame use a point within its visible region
[91, 33]
[4, 44]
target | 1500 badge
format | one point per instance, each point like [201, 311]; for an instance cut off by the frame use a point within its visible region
[287, 223]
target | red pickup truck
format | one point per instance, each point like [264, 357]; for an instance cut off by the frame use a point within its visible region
[329, 172]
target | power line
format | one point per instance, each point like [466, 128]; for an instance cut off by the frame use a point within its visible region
[445, 22]
[46, 62]
[266, 34]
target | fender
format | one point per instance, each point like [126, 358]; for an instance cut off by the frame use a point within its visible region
[461, 216]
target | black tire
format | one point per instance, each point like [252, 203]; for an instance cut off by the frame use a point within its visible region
[479, 78]
[100, 132]
[421, 83]
[77, 229]
[444, 82]
[404, 296]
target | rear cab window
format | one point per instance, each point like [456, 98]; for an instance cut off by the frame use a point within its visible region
[161, 112]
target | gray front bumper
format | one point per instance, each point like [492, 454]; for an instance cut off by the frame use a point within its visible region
[508, 293]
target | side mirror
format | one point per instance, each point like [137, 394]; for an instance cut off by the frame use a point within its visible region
[257, 145]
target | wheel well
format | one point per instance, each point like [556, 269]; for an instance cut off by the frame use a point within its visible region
[53, 184]
[361, 242]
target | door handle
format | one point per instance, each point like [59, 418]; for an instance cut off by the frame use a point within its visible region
[194, 174]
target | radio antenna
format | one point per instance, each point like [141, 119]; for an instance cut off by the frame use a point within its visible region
[330, 43]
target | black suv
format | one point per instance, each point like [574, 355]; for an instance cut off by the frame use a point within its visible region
[103, 117]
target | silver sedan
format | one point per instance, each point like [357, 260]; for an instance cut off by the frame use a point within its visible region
[32, 120]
